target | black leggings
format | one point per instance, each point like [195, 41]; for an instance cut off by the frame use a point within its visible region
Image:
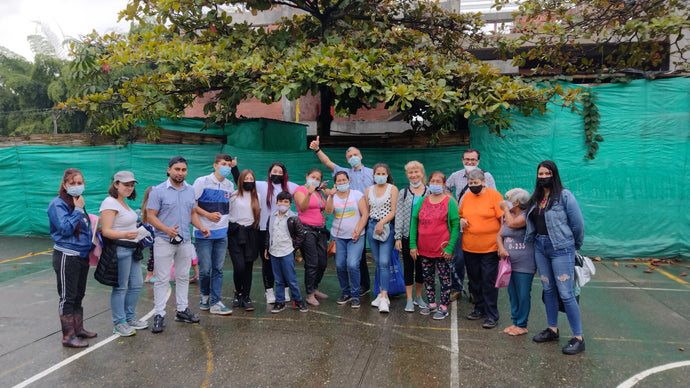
[412, 269]
[71, 272]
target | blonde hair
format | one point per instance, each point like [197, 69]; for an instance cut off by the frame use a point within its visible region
[415, 164]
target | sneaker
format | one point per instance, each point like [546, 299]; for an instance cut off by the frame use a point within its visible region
[186, 316]
[375, 302]
[546, 335]
[123, 330]
[454, 295]
[574, 346]
[137, 324]
[441, 313]
[320, 294]
[489, 323]
[343, 299]
[300, 305]
[220, 309]
[475, 315]
[236, 300]
[157, 324]
[312, 300]
[363, 291]
[287, 294]
[247, 303]
[204, 305]
[277, 307]
[270, 296]
[420, 302]
[409, 307]
[354, 303]
[428, 310]
[384, 305]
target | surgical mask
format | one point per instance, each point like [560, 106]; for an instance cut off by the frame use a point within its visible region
[277, 179]
[248, 186]
[476, 189]
[545, 182]
[312, 182]
[283, 208]
[224, 171]
[436, 189]
[415, 184]
[75, 191]
[355, 161]
[380, 179]
[343, 188]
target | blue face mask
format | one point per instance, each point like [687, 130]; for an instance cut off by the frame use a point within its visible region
[283, 208]
[355, 161]
[435, 189]
[343, 188]
[224, 171]
[312, 182]
[380, 179]
[416, 184]
[75, 191]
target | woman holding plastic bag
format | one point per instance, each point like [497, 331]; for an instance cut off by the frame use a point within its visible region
[556, 226]
[435, 222]
[511, 244]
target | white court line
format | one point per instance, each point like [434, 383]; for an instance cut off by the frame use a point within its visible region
[454, 347]
[81, 354]
[638, 377]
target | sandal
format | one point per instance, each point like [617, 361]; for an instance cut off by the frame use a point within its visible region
[518, 331]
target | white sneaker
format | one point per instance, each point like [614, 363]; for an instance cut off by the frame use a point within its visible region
[375, 302]
[270, 296]
[287, 294]
[384, 305]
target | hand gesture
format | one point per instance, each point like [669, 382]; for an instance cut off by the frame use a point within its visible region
[314, 145]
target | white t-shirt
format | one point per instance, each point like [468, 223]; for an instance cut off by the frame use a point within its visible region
[262, 189]
[125, 219]
[241, 209]
[346, 215]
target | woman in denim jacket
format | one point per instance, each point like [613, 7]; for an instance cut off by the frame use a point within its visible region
[556, 226]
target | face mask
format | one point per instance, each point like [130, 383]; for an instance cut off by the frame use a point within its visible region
[75, 191]
[283, 208]
[416, 184]
[277, 179]
[380, 179]
[248, 186]
[476, 189]
[224, 171]
[435, 189]
[312, 182]
[545, 182]
[343, 188]
[355, 161]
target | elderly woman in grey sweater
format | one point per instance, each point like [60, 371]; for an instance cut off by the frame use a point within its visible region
[407, 198]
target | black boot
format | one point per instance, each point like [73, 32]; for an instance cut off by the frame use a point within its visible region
[79, 330]
[68, 338]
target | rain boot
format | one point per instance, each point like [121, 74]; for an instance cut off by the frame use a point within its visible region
[68, 338]
[79, 330]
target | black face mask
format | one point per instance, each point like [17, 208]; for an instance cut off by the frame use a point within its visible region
[248, 186]
[476, 189]
[545, 182]
[277, 179]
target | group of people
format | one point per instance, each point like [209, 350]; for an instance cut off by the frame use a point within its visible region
[447, 225]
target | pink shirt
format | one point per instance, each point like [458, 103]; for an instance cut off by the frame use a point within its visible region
[313, 215]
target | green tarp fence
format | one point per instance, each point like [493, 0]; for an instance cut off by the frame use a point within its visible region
[633, 195]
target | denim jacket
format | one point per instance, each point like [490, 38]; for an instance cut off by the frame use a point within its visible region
[564, 222]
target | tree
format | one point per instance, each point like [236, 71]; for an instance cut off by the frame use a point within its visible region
[408, 55]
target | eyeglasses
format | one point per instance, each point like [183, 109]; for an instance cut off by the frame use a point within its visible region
[470, 160]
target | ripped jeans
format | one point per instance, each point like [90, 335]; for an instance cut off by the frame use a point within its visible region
[556, 267]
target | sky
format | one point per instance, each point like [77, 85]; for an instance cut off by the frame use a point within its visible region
[66, 18]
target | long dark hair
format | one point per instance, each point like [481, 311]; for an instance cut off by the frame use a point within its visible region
[256, 208]
[69, 200]
[284, 185]
[556, 186]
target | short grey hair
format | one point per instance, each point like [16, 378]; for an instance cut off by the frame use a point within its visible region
[518, 194]
[476, 174]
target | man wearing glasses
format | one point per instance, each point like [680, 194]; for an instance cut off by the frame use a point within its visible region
[458, 182]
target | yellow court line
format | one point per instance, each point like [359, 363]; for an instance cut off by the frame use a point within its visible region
[25, 256]
[679, 280]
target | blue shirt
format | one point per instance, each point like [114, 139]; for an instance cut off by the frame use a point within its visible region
[174, 207]
[359, 179]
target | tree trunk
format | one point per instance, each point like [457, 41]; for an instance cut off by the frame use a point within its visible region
[325, 118]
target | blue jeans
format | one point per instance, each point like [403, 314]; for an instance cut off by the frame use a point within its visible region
[211, 254]
[381, 251]
[557, 264]
[123, 298]
[457, 266]
[347, 256]
[285, 275]
[519, 292]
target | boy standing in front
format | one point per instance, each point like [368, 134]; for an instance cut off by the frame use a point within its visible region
[284, 234]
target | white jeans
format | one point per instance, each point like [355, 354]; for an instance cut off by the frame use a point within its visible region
[164, 254]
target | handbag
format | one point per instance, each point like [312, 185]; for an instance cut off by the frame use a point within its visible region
[504, 272]
[396, 283]
[331, 245]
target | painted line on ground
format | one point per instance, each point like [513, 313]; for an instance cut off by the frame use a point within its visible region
[25, 256]
[82, 353]
[670, 276]
[638, 377]
[454, 347]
